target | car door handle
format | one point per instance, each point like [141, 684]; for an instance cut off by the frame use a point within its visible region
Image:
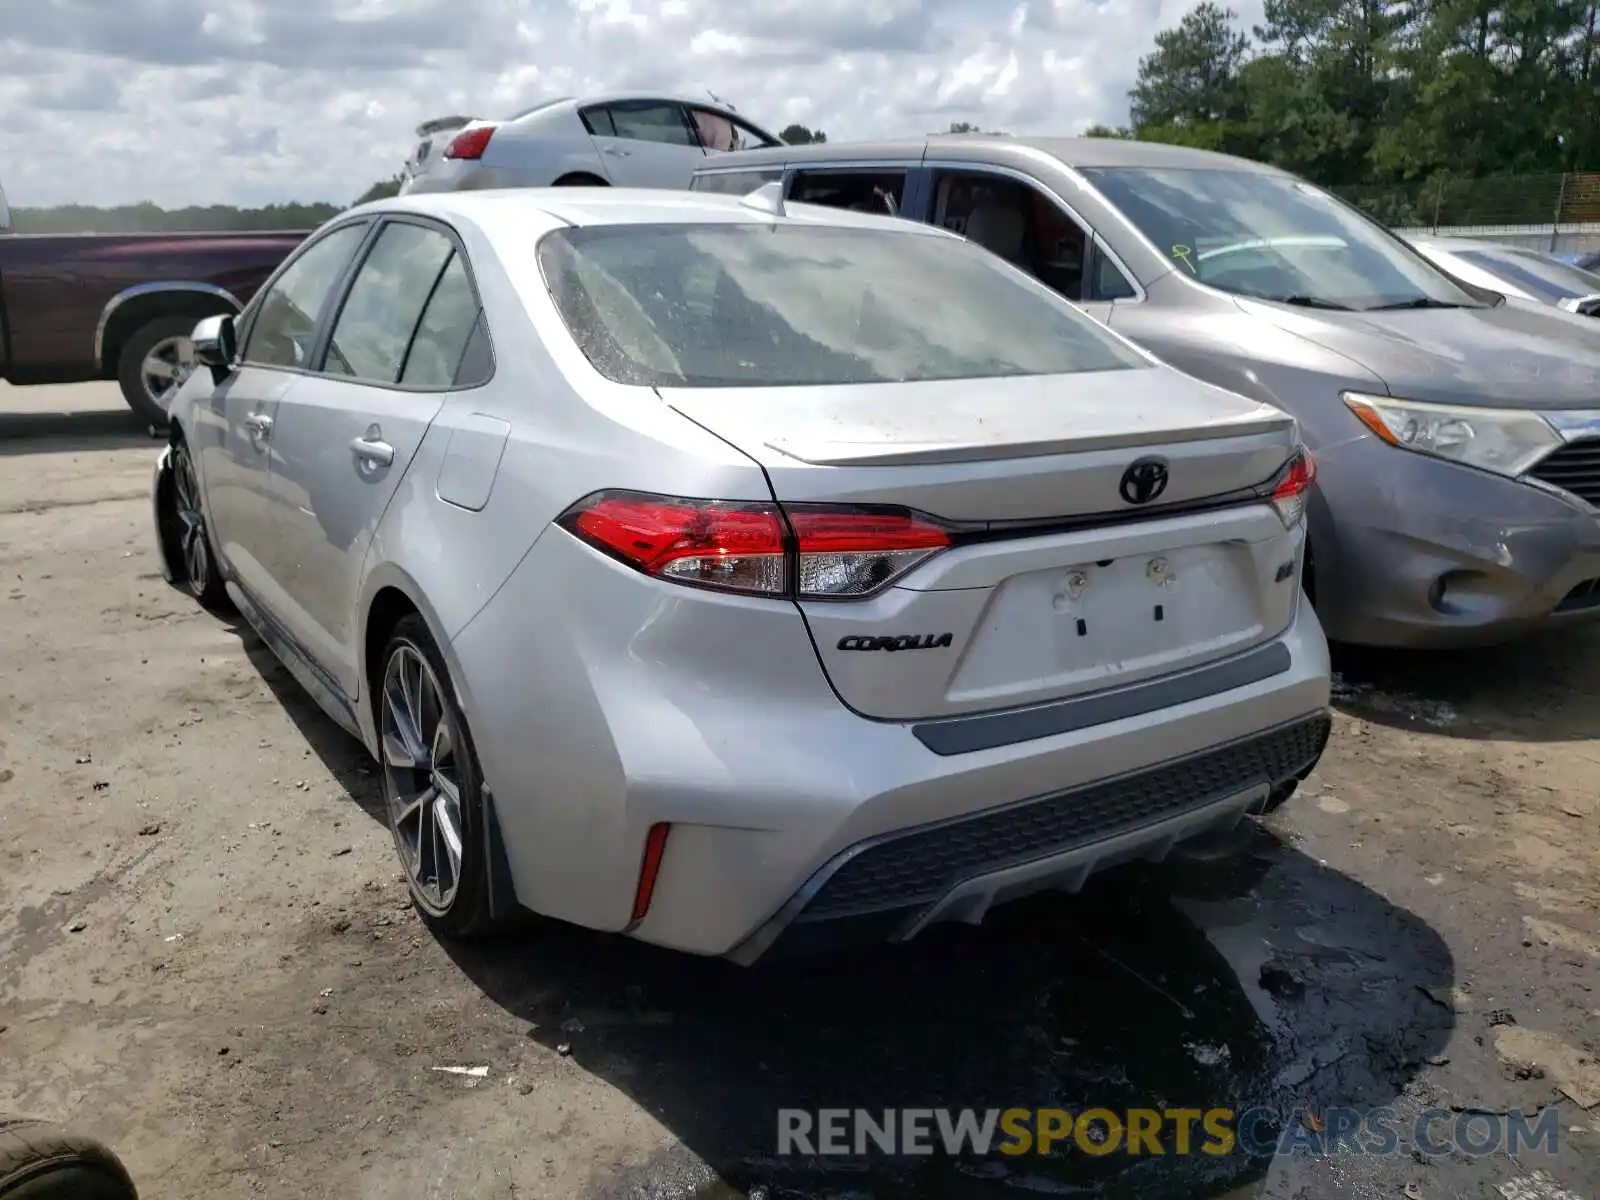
[259, 425]
[371, 450]
[616, 153]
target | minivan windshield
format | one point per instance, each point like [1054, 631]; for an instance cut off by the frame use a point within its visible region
[752, 304]
[1274, 238]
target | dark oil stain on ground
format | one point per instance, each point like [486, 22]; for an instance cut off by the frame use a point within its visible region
[1271, 982]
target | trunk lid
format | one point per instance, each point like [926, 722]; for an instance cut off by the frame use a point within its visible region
[1057, 585]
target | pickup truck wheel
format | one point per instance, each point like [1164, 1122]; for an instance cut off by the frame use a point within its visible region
[153, 364]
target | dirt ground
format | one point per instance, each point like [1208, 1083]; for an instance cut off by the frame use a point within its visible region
[207, 957]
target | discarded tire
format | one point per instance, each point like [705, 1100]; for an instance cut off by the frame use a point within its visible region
[41, 1161]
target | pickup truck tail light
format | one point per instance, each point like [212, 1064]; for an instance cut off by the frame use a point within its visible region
[805, 551]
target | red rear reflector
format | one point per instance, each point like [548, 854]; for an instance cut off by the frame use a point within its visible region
[1289, 496]
[655, 845]
[805, 550]
[470, 144]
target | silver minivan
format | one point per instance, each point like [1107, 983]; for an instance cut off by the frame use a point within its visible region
[1456, 431]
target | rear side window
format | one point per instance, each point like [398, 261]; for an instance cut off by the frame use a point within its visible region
[734, 183]
[442, 334]
[641, 121]
[391, 289]
[764, 305]
[285, 322]
[859, 191]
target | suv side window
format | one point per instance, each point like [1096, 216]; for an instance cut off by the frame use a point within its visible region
[641, 121]
[734, 183]
[283, 325]
[448, 323]
[1108, 283]
[385, 301]
[875, 191]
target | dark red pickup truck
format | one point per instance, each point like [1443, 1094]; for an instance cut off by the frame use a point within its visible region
[75, 307]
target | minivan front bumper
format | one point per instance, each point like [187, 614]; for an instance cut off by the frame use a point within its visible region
[1426, 553]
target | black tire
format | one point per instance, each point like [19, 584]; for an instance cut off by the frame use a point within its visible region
[466, 913]
[580, 180]
[41, 1161]
[130, 364]
[186, 542]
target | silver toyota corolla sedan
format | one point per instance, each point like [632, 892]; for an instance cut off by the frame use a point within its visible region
[623, 139]
[717, 573]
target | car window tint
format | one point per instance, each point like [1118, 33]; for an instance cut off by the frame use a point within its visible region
[390, 289]
[285, 321]
[757, 305]
[1109, 283]
[734, 183]
[442, 333]
[643, 123]
[859, 191]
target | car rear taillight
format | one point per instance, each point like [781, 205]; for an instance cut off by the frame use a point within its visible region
[470, 143]
[1293, 486]
[809, 551]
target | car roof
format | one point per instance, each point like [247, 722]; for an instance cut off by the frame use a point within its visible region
[1000, 149]
[493, 210]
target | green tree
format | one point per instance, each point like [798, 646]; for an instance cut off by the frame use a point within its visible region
[799, 135]
[1191, 80]
[382, 190]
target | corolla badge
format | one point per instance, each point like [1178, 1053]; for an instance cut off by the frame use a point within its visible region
[1144, 480]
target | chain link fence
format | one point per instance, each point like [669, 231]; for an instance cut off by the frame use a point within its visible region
[1555, 213]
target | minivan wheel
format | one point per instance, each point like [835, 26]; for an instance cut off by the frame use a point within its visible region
[433, 790]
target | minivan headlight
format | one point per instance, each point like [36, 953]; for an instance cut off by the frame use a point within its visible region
[1503, 440]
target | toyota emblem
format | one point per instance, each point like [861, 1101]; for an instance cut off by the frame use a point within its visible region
[1144, 480]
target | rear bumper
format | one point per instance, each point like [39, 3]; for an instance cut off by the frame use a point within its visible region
[787, 809]
[892, 887]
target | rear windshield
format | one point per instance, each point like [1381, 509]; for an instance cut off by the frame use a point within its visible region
[780, 305]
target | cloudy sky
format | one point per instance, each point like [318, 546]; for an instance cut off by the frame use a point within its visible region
[251, 101]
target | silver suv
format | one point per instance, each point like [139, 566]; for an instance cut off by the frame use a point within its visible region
[1456, 432]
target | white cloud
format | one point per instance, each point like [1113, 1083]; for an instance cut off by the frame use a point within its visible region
[253, 101]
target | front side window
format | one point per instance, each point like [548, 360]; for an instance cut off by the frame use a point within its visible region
[1019, 223]
[643, 121]
[1273, 237]
[387, 297]
[284, 324]
[718, 131]
[763, 305]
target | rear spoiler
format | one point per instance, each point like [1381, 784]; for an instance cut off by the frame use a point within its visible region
[440, 124]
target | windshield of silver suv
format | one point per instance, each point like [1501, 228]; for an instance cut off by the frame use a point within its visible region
[1274, 238]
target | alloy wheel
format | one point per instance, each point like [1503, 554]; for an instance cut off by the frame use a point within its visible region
[423, 783]
[193, 546]
[165, 368]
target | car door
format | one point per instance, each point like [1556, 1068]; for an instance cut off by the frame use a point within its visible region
[346, 434]
[645, 143]
[234, 429]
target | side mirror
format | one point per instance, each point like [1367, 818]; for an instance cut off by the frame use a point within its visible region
[1584, 306]
[216, 345]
